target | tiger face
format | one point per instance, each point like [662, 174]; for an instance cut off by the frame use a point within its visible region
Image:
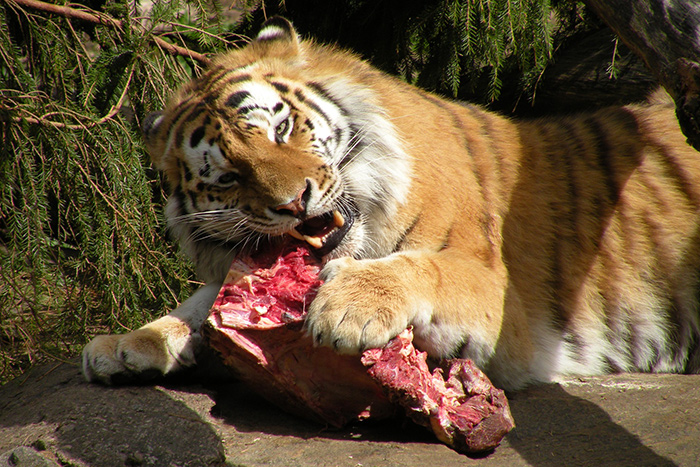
[254, 149]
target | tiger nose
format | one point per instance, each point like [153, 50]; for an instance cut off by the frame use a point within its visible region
[297, 206]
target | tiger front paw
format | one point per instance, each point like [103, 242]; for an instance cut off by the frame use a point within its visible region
[362, 304]
[156, 349]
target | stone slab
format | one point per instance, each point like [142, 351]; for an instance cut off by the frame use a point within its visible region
[618, 420]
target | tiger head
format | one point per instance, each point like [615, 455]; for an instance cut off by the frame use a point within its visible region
[282, 137]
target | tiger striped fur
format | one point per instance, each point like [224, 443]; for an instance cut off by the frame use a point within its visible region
[538, 248]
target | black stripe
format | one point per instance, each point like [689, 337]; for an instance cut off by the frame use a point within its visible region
[312, 105]
[486, 119]
[567, 158]
[248, 109]
[213, 75]
[565, 225]
[281, 87]
[299, 95]
[179, 195]
[675, 171]
[319, 90]
[596, 212]
[205, 170]
[185, 171]
[197, 110]
[236, 99]
[215, 86]
[212, 90]
[653, 217]
[487, 221]
[604, 158]
[577, 344]
[402, 239]
[177, 110]
[446, 239]
[197, 136]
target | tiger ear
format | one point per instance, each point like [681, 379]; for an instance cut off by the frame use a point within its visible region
[150, 124]
[151, 127]
[277, 37]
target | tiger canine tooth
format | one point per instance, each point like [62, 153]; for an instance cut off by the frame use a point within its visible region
[295, 233]
[313, 241]
[338, 219]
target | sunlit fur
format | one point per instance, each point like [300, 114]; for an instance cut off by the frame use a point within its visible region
[566, 245]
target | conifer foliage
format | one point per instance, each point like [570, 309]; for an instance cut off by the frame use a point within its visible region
[469, 49]
[82, 237]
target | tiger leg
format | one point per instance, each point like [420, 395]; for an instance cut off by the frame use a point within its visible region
[456, 304]
[158, 348]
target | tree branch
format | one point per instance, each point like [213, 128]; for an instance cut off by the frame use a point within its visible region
[666, 36]
[44, 119]
[106, 20]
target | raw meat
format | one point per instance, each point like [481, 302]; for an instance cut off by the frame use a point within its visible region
[465, 411]
[256, 326]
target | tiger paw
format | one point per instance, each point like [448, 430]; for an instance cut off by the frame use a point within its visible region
[157, 349]
[361, 305]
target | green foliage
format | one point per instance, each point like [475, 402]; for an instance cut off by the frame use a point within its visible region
[82, 237]
[471, 49]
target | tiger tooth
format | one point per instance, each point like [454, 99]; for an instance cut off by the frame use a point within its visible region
[338, 219]
[314, 241]
[296, 234]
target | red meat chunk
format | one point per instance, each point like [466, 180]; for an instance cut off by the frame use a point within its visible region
[272, 292]
[465, 411]
[256, 326]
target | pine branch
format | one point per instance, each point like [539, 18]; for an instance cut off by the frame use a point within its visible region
[45, 119]
[81, 233]
[106, 20]
[97, 18]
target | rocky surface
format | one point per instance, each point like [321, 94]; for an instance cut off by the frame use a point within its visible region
[50, 416]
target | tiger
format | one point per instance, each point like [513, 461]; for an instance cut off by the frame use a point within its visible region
[541, 248]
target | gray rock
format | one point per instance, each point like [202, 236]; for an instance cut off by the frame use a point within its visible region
[23, 456]
[618, 420]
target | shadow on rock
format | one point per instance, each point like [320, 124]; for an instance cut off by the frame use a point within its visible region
[83, 424]
[554, 428]
[238, 406]
[104, 426]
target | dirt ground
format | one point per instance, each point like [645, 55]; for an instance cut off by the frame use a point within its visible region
[50, 417]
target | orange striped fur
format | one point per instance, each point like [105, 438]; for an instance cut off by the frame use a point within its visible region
[539, 248]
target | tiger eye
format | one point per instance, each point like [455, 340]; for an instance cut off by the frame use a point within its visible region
[228, 178]
[282, 128]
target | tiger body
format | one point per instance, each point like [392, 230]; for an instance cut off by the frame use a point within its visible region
[539, 248]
